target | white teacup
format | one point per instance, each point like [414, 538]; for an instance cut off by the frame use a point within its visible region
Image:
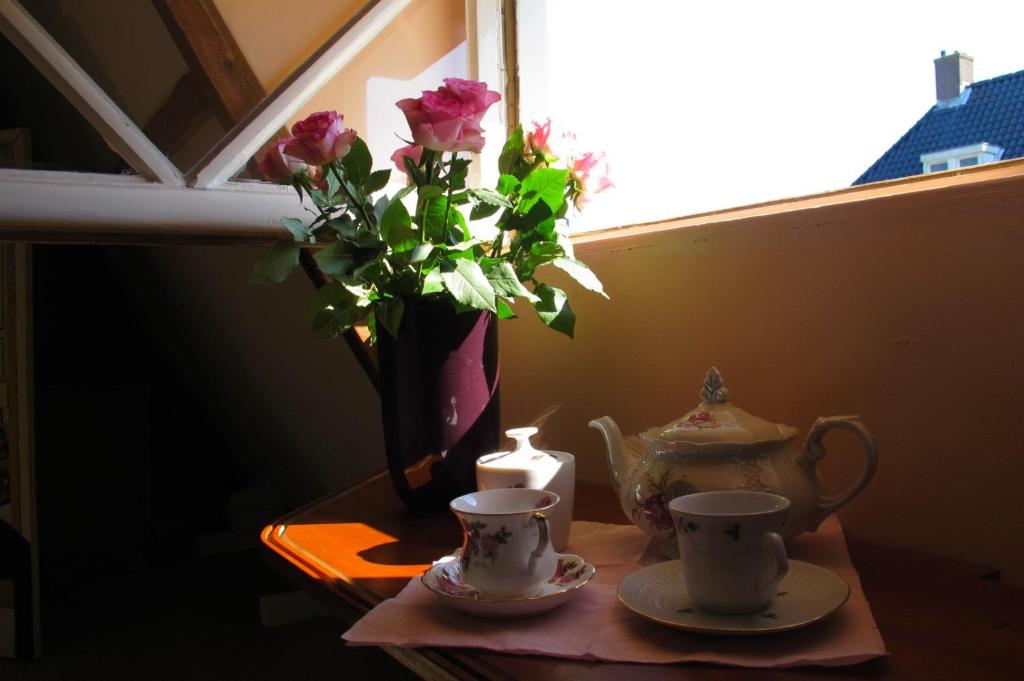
[506, 542]
[730, 544]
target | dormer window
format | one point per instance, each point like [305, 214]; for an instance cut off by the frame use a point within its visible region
[961, 157]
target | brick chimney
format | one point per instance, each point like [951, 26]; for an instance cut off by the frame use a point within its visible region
[953, 72]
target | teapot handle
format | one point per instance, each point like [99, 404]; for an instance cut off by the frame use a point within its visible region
[814, 450]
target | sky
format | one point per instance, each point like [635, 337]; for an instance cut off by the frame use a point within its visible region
[707, 105]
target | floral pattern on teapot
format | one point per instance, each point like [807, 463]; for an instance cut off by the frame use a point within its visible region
[719, 446]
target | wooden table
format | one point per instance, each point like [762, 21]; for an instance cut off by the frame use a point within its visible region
[940, 619]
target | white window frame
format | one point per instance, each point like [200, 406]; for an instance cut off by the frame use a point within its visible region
[983, 152]
[161, 204]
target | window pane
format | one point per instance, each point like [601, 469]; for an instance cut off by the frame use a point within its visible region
[128, 49]
[969, 161]
[39, 129]
[432, 34]
[936, 167]
[729, 81]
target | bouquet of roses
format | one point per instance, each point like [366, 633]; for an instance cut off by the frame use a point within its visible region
[422, 241]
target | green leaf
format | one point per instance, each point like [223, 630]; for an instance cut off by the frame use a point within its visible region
[429, 191]
[468, 285]
[505, 282]
[458, 230]
[543, 252]
[583, 275]
[337, 260]
[433, 220]
[432, 282]
[413, 171]
[276, 263]
[389, 314]
[330, 323]
[343, 225]
[490, 196]
[325, 324]
[512, 152]
[421, 253]
[357, 162]
[332, 186]
[319, 198]
[327, 295]
[403, 192]
[396, 228]
[482, 210]
[538, 217]
[508, 184]
[553, 309]
[377, 181]
[543, 184]
[457, 173]
[504, 310]
[297, 227]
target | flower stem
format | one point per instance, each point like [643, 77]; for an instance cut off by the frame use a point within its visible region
[448, 203]
[351, 196]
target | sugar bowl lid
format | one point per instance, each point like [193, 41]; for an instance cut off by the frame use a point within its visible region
[716, 420]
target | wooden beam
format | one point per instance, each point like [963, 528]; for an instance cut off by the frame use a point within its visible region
[113, 124]
[209, 48]
[275, 110]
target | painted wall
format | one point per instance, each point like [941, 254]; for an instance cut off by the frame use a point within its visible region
[907, 312]
[275, 43]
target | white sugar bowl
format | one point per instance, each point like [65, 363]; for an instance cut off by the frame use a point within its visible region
[533, 468]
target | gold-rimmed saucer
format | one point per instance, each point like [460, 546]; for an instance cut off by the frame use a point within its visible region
[444, 579]
[807, 594]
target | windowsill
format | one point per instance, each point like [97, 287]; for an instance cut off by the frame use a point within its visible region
[932, 192]
[47, 207]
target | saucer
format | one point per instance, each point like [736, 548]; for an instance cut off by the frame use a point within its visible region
[807, 594]
[444, 578]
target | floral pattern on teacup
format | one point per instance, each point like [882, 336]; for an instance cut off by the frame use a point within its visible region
[482, 547]
[544, 501]
[447, 584]
[567, 571]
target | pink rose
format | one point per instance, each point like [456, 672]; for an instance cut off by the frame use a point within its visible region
[537, 139]
[448, 119]
[320, 138]
[278, 166]
[582, 168]
[413, 151]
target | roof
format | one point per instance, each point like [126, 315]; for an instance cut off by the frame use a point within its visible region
[993, 113]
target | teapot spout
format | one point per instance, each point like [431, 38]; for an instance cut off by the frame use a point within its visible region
[620, 457]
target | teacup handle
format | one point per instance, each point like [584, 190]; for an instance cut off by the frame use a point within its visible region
[543, 542]
[814, 450]
[781, 561]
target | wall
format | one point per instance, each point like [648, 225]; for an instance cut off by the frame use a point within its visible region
[275, 44]
[906, 310]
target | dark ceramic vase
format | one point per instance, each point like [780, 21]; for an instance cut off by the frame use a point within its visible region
[439, 400]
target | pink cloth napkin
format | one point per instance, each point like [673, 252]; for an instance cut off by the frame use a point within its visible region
[595, 626]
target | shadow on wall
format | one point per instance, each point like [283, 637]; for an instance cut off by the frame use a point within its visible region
[297, 409]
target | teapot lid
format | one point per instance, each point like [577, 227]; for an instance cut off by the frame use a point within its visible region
[715, 420]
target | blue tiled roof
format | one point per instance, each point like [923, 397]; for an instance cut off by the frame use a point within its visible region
[993, 113]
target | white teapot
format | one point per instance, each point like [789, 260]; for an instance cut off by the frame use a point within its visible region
[718, 446]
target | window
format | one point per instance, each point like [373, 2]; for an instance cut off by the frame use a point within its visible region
[730, 81]
[961, 157]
